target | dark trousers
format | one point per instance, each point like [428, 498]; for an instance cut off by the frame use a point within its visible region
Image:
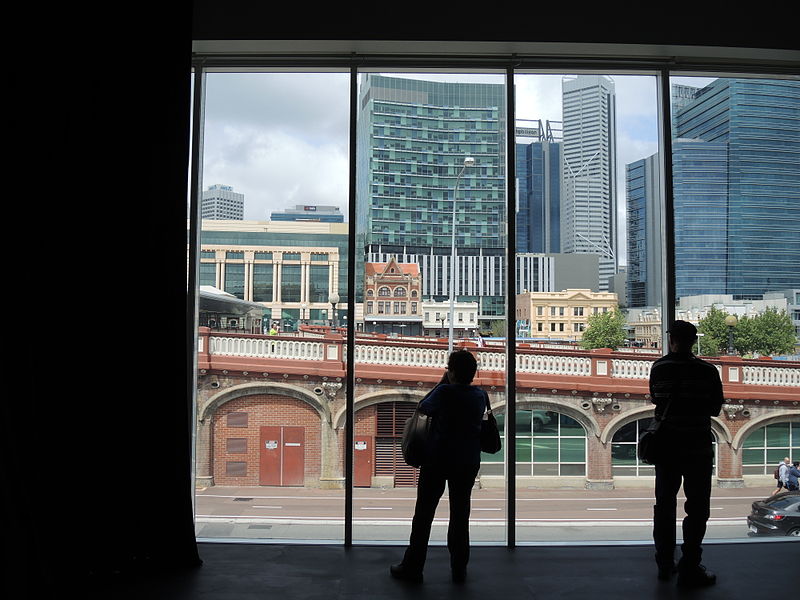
[695, 472]
[430, 488]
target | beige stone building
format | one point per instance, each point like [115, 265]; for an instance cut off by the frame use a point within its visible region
[560, 315]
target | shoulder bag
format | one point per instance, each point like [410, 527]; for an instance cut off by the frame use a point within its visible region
[417, 433]
[649, 449]
[490, 434]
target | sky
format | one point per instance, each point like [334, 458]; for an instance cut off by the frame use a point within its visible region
[282, 138]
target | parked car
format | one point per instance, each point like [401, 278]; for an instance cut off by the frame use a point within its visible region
[777, 515]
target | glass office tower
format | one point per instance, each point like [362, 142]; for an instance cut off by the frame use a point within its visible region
[539, 197]
[741, 169]
[413, 137]
[643, 283]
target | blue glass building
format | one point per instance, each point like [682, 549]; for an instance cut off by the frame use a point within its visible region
[539, 197]
[741, 171]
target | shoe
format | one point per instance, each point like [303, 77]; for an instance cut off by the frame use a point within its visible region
[459, 575]
[696, 577]
[665, 572]
[403, 572]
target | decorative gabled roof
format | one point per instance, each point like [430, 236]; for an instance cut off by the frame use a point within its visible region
[384, 268]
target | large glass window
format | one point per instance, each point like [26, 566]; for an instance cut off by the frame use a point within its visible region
[432, 235]
[767, 446]
[269, 458]
[431, 204]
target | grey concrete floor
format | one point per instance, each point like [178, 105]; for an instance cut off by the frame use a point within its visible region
[261, 571]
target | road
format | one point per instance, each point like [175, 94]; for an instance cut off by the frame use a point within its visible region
[385, 514]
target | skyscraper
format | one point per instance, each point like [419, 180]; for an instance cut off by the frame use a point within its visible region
[727, 239]
[643, 281]
[588, 190]
[538, 167]
[413, 137]
[221, 202]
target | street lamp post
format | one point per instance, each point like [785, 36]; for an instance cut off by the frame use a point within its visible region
[334, 300]
[468, 162]
[731, 322]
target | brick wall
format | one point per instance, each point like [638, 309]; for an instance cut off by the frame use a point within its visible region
[263, 410]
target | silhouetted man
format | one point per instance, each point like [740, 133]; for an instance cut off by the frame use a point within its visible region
[457, 409]
[689, 390]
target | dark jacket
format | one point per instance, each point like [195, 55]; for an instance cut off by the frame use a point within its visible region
[457, 411]
[693, 390]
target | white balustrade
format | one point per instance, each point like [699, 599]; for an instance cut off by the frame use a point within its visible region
[630, 369]
[771, 376]
[554, 365]
[265, 348]
[435, 358]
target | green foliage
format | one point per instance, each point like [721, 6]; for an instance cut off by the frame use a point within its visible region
[605, 330]
[772, 333]
[498, 328]
[715, 333]
[769, 333]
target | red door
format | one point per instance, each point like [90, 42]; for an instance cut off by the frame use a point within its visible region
[282, 459]
[363, 460]
[294, 441]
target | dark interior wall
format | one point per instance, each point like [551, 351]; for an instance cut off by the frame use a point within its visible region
[97, 440]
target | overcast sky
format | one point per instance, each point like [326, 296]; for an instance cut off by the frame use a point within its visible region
[282, 138]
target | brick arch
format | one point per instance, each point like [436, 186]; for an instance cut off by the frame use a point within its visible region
[720, 429]
[373, 398]
[273, 409]
[778, 416]
[257, 388]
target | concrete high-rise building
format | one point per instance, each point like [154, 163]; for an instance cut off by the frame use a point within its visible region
[413, 137]
[220, 202]
[643, 278]
[588, 187]
[538, 169]
[737, 166]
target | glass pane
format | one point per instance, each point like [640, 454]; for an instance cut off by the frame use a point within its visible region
[623, 454]
[544, 423]
[573, 450]
[431, 204]
[778, 434]
[270, 138]
[573, 470]
[736, 171]
[755, 439]
[776, 455]
[752, 457]
[523, 449]
[523, 422]
[588, 188]
[545, 450]
[570, 426]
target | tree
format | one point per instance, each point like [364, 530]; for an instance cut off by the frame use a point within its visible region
[605, 330]
[498, 328]
[715, 332]
[773, 333]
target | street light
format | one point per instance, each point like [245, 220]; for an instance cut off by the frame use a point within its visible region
[333, 298]
[731, 322]
[468, 162]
